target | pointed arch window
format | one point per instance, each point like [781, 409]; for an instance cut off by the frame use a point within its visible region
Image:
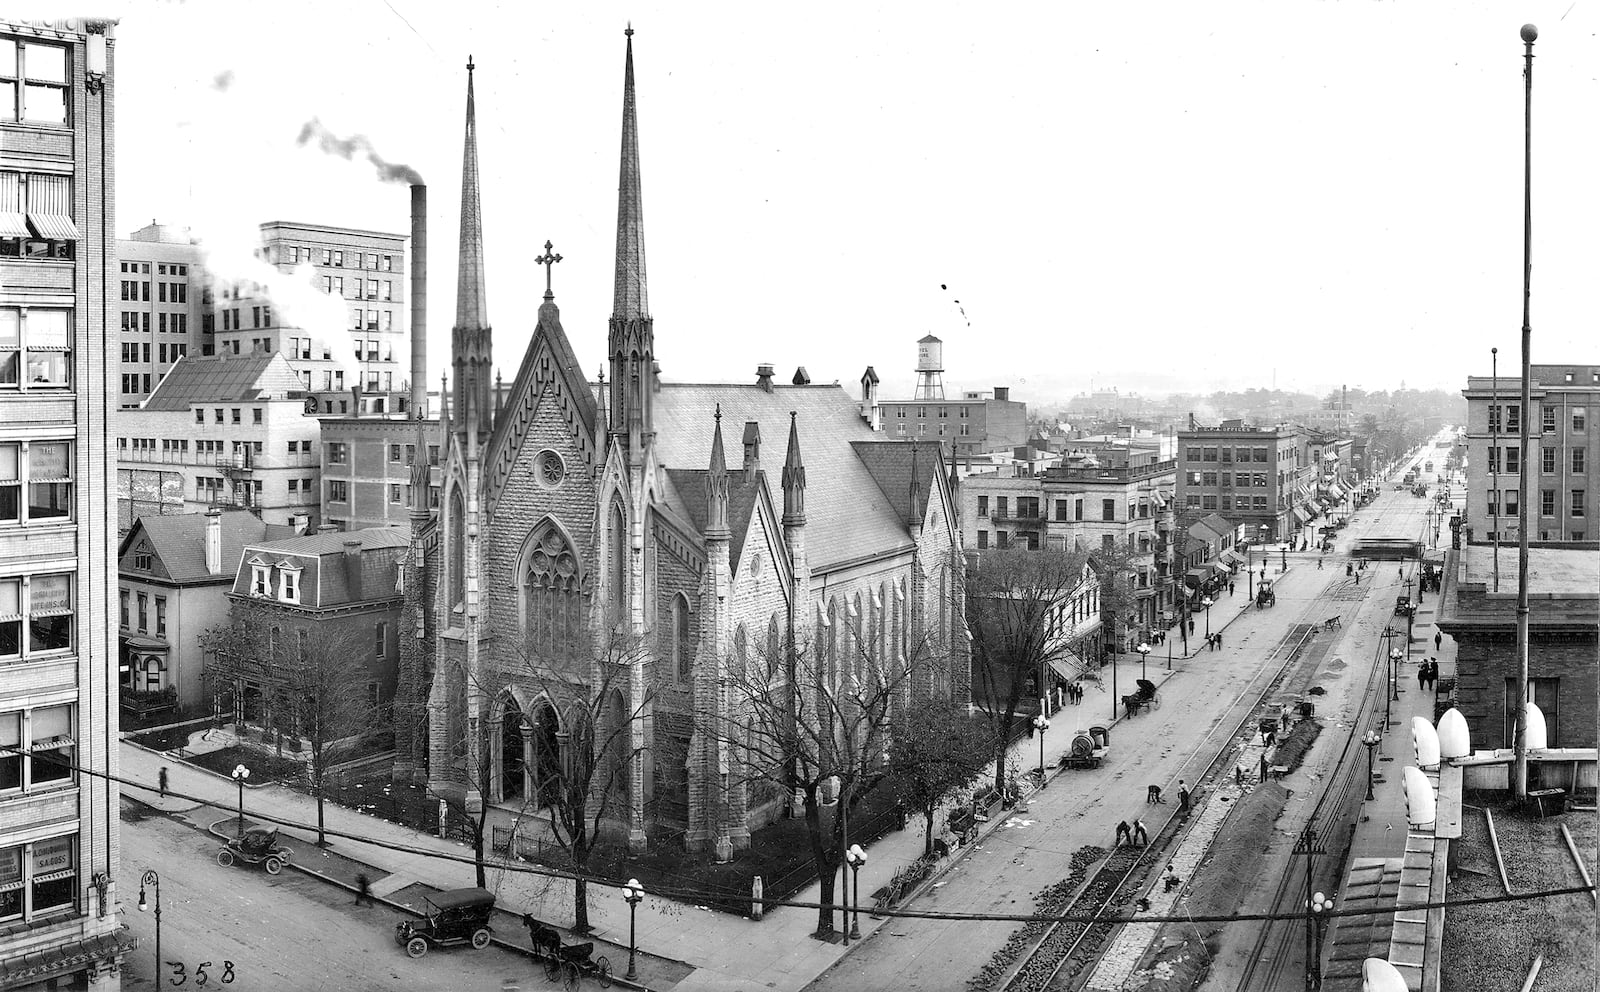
[458, 549]
[617, 564]
[552, 595]
[774, 655]
[681, 648]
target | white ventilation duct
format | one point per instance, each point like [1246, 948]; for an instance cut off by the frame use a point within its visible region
[1424, 744]
[1419, 798]
[1538, 735]
[1455, 741]
[1378, 975]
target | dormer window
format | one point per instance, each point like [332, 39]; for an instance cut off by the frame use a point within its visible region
[142, 559]
[260, 578]
[288, 582]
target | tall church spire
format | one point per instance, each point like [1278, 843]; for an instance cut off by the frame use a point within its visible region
[631, 343]
[471, 343]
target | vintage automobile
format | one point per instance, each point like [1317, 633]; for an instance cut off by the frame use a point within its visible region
[257, 846]
[1404, 607]
[457, 916]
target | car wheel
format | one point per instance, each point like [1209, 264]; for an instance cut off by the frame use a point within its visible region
[602, 968]
[480, 939]
[416, 947]
[274, 866]
[225, 858]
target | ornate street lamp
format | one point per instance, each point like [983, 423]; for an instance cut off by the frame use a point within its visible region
[153, 880]
[1208, 602]
[1370, 742]
[240, 775]
[1144, 656]
[633, 895]
[1320, 905]
[856, 858]
[1040, 724]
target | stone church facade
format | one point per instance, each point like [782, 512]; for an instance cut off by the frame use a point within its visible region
[607, 553]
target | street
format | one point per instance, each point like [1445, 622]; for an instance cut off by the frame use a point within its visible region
[247, 930]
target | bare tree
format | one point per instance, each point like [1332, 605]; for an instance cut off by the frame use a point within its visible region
[327, 683]
[937, 750]
[1019, 608]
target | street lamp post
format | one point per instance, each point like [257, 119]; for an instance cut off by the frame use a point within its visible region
[1040, 725]
[240, 774]
[1320, 905]
[153, 880]
[1144, 656]
[856, 857]
[1396, 657]
[1370, 742]
[633, 895]
[1208, 602]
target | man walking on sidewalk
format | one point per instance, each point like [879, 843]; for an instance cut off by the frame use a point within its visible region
[161, 781]
[1438, 640]
[363, 889]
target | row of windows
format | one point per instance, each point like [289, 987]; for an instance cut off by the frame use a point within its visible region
[44, 604]
[36, 214]
[135, 323]
[1066, 510]
[964, 430]
[288, 584]
[40, 879]
[33, 82]
[1212, 453]
[260, 316]
[35, 347]
[162, 268]
[298, 254]
[1510, 415]
[140, 602]
[1510, 505]
[338, 453]
[133, 352]
[376, 320]
[1577, 459]
[139, 291]
[1208, 501]
[922, 412]
[43, 471]
[1228, 479]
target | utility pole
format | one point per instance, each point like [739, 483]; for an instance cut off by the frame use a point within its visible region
[1519, 767]
[1310, 845]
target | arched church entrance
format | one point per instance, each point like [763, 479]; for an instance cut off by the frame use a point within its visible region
[546, 752]
[513, 752]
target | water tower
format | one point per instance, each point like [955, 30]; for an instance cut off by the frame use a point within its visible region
[930, 369]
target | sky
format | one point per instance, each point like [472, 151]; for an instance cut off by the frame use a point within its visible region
[1158, 197]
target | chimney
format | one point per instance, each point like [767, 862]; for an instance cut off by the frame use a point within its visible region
[655, 376]
[800, 377]
[419, 302]
[352, 568]
[764, 376]
[213, 541]
[1191, 420]
[327, 528]
[752, 449]
[1002, 393]
[355, 397]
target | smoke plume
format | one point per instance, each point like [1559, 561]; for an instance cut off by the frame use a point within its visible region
[353, 146]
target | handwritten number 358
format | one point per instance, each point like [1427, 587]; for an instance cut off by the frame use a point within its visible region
[179, 977]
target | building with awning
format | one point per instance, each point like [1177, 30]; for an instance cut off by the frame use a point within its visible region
[1245, 473]
[1231, 558]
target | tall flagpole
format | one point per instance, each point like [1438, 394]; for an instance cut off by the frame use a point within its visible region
[1494, 457]
[1519, 768]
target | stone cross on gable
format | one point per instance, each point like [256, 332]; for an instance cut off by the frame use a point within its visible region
[548, 260]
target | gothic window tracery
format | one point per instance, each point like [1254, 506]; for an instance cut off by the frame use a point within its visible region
[682, 647]
[552, 593]
[617, 566]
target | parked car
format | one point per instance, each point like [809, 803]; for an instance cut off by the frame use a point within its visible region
[257, 846]
[458, 916]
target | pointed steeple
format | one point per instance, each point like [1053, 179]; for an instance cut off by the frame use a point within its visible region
[419, 476]
[631, 342]
[471, 343]
[794, 480]
[916, 495]
[717, 486]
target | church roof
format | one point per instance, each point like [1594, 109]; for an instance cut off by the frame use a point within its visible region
[550, 330]
[847, 514]
[687, 495]
[889, 461]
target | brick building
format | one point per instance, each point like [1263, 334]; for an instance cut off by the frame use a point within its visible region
[221, 431]
[1562, 479]
[163, 304]
[1253, 476]
[1564, 619]
[565, 512]
[367, 462]
[977, 423]
[59, 850]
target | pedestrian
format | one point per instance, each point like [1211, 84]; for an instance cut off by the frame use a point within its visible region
[1402, 571]
[1438, 640]
[1124, 832]
[1271, 738]
[1191, 626]
[1319, 564]
[1283, 716]
[1183, 797]
[1170, 881]
[1141, 837]
[1230, 588]
[161, 781]
[1264, 767]
[1238, 775]
[1349, 569]
[1433, 675]
[1154, 795]
[1422, 676]
[1219, 640]
[363, 889]
[1358, 580]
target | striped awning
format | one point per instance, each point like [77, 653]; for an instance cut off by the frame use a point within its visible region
[13, 225]
[54, 227]
[1301, 516]
[1231, 557]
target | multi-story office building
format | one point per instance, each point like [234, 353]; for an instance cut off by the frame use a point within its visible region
[59, 925]
[1255, 476]
[221, 431]
[366, 470]
[162, 305]
[1560, 480]
[364, 269]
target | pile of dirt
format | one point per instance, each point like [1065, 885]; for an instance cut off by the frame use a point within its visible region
[1055, 898]
[1291, 751]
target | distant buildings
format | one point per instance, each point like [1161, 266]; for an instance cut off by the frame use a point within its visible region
[163, 303]
[59, 849]
[1561, 481]
[221, 431]
[1108, 404]
[977, 423]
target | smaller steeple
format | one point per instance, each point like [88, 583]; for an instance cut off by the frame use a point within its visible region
[717, 487]
[916, 496]
[419, 476]
[794, 480]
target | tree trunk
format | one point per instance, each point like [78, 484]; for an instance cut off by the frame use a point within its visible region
[477, 848]
[322, 837]
[580, 906]
[927, 836]
[819, 857]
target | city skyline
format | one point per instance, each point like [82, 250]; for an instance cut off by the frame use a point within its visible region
[926, 174]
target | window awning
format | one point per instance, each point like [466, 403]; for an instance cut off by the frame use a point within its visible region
[1061, 668]
[1197, 575]
[1231, 557]
[1335, 491]
[54, 227]
[1221, 569]
[13, 225]
[1301, 516]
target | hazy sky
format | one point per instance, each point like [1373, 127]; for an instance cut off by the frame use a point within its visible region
[1162, 196]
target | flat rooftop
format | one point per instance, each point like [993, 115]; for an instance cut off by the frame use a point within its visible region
[1551, 571]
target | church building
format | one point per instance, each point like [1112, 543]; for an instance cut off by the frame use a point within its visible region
[607, 554]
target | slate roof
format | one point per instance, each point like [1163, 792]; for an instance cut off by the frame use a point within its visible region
[847, 514]
[224, 378]
[325, 581]
[889, 461]
[1211, 527]
[687, 495]
[179, 541]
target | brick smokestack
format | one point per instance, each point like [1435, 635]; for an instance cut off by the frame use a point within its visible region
[419, 301]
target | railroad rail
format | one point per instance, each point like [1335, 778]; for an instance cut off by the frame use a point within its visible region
[1062, 942]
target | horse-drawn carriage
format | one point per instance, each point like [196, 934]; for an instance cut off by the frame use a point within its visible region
[1265, 596]
[1088, 749]
[1144, 698]
[256, 846]
[565, 963]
